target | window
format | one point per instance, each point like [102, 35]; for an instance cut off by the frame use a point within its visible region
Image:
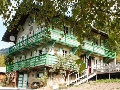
[44, 51]
[31, 54]
[40, 52]
[31, 28]
[20, 58]
[101, 43]
[23, 57]
[19, 40]
[39, 74]
[96, 62]
[37, 29]
[33, 32]
[22, 28]
[55, 51]
[27, 36]
[22, 37]
[65, 30]
[64, 52]
[31, 21]
[71, 32]
[96, 42]
[35, 53]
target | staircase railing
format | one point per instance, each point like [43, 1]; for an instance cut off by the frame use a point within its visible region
[77, 77]
[86, 78]
[79, 80]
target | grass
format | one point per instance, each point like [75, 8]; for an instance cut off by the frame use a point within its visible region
[109, 80]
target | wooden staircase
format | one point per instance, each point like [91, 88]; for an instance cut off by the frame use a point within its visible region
[85, 79]
[82, 79]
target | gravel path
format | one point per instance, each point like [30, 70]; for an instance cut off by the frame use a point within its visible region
[97, 86]
[92, 86]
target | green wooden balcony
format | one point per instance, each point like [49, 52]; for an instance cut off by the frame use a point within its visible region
[59, 36]
[40, 37]
[101, 50]
[45, 60]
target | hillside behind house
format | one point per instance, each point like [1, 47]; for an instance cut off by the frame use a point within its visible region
[3, 51]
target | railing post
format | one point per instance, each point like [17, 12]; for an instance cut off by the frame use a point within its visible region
[68, 79]
[115, 58]
[87, 74]
[76, 78]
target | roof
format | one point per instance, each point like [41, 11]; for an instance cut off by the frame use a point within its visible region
[100, 32]
[3, 69]
[14, 31]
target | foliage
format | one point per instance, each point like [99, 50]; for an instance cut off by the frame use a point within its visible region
[68, 62]
[108, 80]
[43, 79]
[80, 65]
[118, 58]
[8, 60]
[6, 80]
[80, 17]
[2, 58]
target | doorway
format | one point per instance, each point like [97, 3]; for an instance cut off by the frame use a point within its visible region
[22, 80]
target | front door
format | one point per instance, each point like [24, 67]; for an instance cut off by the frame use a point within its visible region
[22, 80]
[89, 65]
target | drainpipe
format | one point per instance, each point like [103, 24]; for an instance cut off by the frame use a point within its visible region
[115, 58]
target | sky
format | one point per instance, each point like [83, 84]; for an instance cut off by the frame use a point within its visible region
[2, 31]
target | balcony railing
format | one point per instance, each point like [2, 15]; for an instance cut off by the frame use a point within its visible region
[90, 46]
[46, 59]
[40, 37]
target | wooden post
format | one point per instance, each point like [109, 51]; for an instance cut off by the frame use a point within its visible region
[96, 77]
[115, 61]
[78, 74]
[109, 75]
[76, 78]
[16, 78]
[68, 79]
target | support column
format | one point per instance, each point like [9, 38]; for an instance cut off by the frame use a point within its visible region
[86, 63]
[96, 77]
[87, 73]
[109, 75]
[16, 79]
[76, 78]
[115, 59]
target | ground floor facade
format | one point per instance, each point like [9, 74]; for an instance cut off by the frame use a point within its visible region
[31, 79]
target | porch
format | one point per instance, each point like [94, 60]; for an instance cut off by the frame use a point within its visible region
[107, 68]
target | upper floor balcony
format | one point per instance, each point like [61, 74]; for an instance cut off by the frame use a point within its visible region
[43, 37]
[101, 50]
[45, 60]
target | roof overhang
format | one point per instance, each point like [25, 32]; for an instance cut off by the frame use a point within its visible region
[14, 31]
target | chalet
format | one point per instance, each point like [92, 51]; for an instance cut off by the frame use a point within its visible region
[35, 51]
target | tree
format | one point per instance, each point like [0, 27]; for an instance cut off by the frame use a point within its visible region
[83, 13]
[67, 64]
[2, 61]
[8, 60]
